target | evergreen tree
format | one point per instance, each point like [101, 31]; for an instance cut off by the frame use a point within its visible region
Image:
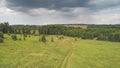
[14, 37]
[1, 40]
[1, 35]
[24, 38]
[43, 39]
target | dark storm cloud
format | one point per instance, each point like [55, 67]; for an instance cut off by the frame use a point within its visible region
[25, 5]
[57, 11]
[103, 4]
[49, 4]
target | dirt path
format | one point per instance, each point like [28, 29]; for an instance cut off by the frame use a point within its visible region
[65, 60]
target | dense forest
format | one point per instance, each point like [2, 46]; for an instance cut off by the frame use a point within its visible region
[98, 32]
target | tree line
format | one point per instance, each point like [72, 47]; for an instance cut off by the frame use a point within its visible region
[98, 32]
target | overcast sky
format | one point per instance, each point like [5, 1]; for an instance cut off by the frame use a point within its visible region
[43, 12]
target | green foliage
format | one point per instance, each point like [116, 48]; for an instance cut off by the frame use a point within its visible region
[24, 38]
[99, 32]
[19, 39]
[61, 37]
[14, 37]
[1, 35]
[4, 27]
[52, 40]
[1, 40]
[75, 39]
[52, 29]
[25, 35]
[43, 39]
[103, 32]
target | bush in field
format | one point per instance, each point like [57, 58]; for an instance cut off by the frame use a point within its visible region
[52, 40]
[61, 38]
[14, 37]
[1, 35]
[1, 40]
[43, 39]
[25, 35]
[24, 38]
[19, 39]
[75, 39]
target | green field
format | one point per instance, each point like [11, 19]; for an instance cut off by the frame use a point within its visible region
[64, 53]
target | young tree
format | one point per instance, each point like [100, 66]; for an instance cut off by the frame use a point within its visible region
[43, 39]
[19, 39]
[24, 38]
[52, 40]
[1, 35]
[25, 35]
[1, 40]
[14, 37]
[75, 39]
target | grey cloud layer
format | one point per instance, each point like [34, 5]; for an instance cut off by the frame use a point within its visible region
[63, 11]
[49, 4]
[24, 5]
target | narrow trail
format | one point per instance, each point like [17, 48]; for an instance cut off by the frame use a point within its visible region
[67, 57]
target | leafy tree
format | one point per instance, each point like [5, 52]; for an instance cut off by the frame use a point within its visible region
[19, 39]
[1, 35]
[43, 39]
[25, 35]
[1, 40]
[52, 40]
[75, 39]
[14, 37]
[24, 38]
[99, 32]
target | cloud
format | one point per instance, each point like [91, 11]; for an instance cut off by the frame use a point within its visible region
[103, 4]
[106, 19]
[61, 11]
[24, 5]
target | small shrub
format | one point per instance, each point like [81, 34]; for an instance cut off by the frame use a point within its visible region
[14, 37]
[1, 35]
[61, 37]
[19, 39]
[43, 39]
[52, 40]
[75, 39]
[25, 35]
[1, 40]
[24, 38]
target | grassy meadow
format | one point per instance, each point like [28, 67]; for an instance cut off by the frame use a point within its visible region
[62, 53]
